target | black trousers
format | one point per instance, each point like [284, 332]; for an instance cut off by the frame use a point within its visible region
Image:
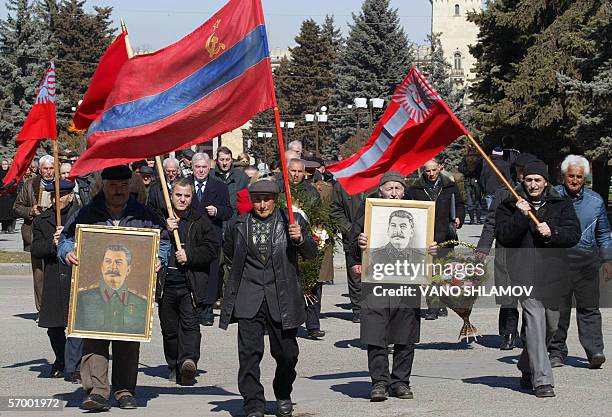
[378, 364]
[354, 286]
[57, 337]
[585, 289]
[284, 349]
[180, 325]
[508, 321]
[313, 311]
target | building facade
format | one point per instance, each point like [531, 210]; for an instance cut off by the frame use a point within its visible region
[449, 18]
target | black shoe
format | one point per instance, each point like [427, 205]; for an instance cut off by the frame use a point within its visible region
[188, 372]
[431, 314]
[284, 408]
[544, 391]
[76, 377]
[127, 402]
[356, 317]
[509, 342]
[556, 362]
[379, 392]
[442, 312]
[207, 322]
[255, 414]
[57, 370]
[526, 382]
[316, 334]
[401, 390]
[95, 403]
[597, 360]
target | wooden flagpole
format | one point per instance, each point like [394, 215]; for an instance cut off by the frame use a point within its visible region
[158, 161]
[281, 148]
[500, 175]
[56, 173]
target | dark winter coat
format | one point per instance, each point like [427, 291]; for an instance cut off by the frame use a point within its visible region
[202, 248]
[6, 201]
[56, 283]
[489, 180]
[27, 197]
[284, 264]
[384, 320]
[531, 259]
[443, 229]
[235, 180]
[344, 209]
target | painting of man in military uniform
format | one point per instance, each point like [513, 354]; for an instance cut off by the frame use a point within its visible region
[110, 305]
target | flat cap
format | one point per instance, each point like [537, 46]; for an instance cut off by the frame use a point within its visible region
[64, 185]
[264, 187]
[146, 170]
[118, 172]
[392, 176]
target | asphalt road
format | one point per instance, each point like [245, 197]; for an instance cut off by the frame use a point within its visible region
[449, 378]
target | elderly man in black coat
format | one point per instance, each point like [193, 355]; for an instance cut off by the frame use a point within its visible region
[536, 258]
[56, 284]
[211, 199]
[264, 292]
[387, 320]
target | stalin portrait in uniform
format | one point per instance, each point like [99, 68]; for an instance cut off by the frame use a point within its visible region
[110, 306]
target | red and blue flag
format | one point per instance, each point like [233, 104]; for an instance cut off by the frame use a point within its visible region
[210, 82]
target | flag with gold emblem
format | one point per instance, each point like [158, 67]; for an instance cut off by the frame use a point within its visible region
[210, 82]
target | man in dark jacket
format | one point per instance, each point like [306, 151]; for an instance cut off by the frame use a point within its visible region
[344, 209]
[211, 198]
[471, 168]
[264, 292]
[114, 206]
[508, 313]
[489, 180]
[536, 259]
[233, 177]
[56, 288]
[182, 285]
[386, 320]
[450, 213]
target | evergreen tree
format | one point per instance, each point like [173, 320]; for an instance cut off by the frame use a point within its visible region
[375, 60]
[24, 56]
[437, 70]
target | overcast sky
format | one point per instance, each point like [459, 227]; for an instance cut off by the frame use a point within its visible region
[157, 23]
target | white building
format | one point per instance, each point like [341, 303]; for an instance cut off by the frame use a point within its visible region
[449, 17]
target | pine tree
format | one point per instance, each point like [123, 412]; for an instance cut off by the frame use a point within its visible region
[375, 60]
[23, 59]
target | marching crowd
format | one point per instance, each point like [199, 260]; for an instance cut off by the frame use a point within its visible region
[240, 254]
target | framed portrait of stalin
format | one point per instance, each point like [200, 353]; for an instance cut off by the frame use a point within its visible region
[399, 233]
[113, 286]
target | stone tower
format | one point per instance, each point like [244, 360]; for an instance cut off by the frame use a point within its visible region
[449, 17]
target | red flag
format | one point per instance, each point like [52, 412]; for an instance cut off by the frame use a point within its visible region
[210, 82]
[101, 83]
[40, 124]
[416, 126]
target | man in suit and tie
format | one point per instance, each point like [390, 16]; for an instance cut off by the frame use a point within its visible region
[211, 199]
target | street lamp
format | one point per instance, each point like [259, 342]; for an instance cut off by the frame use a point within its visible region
[318, 117]
[266, 135]
[370, 105]
[287, 126]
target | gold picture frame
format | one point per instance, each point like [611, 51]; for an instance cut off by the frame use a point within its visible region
[377, 226]
[112, 292]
